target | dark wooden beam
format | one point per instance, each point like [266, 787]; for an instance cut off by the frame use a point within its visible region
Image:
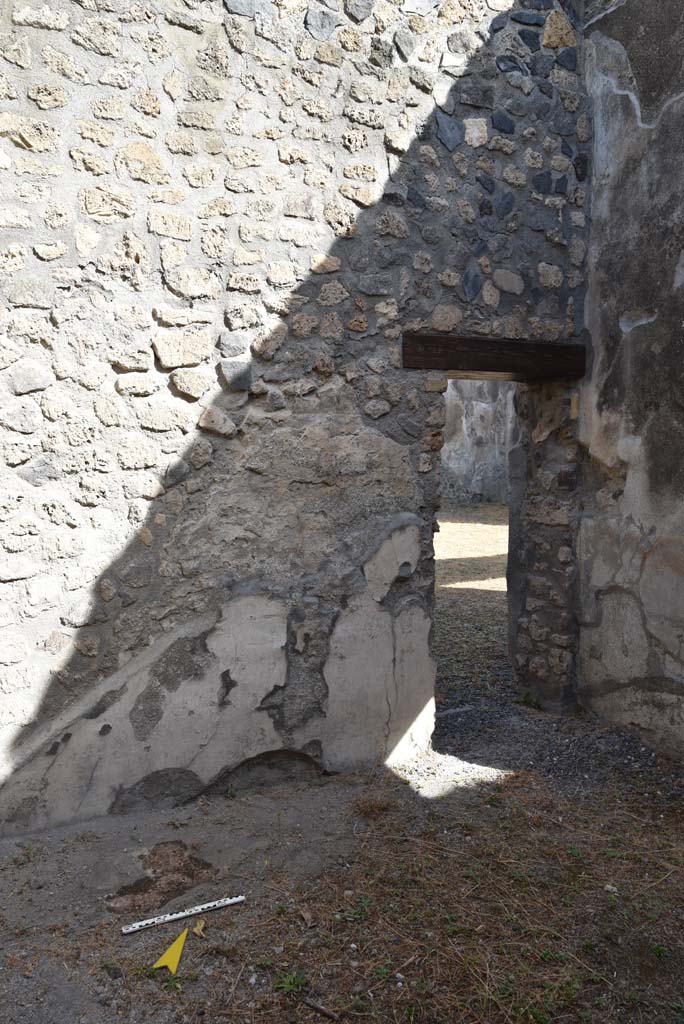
[494, 358]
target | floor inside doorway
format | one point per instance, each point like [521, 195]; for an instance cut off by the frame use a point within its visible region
[483, 716]
[530, 870]
[471, 615]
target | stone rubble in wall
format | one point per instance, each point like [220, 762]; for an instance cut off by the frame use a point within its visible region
[218, 217]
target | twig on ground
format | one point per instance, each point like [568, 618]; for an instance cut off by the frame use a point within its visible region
[318, 1008]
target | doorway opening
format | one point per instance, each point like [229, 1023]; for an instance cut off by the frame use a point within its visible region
[541, 570]
[471, 554]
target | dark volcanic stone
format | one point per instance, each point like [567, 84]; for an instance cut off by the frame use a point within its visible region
[409, 426]
[394, 195]
[541, 107]
[504, 204]
[536, 219]
[381, 53]
[243, 8]
[487, 182]
[176, 472]
[450, 132]
[472, 281]
[506, 62]
[564, 123]
[358, 10]
[476, 94]
[421, 79]
[542, 182]
[530, 39]
[542, 65]
[405, 43]
[375, 284]
[568, 58]
[581, 165]
[518, 106]
[528, 18]
[503, 123]
[431, 234]
[320, 23]
[236, 374]
[233, 343]
[250, 8]
[390, 256]
[415, 198]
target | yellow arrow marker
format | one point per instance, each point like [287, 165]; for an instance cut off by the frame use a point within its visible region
[171, 958]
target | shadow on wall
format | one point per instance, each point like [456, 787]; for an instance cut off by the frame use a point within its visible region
[276, 592]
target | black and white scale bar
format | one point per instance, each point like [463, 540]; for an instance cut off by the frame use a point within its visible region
[202, 908]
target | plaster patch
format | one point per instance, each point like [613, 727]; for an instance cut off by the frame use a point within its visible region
[632, 319]
[679, 272]
[616, 649]
[380, 679]
[249, 642]
[662, 592]
[359, 674]
[657, 714]
[396, 558]
[413, 718]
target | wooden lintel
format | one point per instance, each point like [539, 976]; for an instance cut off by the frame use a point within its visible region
[494, 358]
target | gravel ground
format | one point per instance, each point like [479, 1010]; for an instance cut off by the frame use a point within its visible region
[481, 716]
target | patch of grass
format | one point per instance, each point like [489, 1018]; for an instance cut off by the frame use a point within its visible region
[290, 983]
[528, 700]
[29, 853]
[373, 805]
[361, 910]
[143, 971]
[217, 950]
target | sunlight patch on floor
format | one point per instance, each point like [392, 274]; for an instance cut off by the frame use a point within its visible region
[471, 548]
[463, 539]
[433, 775]
[495, 583]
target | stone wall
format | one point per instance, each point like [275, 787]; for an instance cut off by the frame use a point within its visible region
[479, 429]
[632, 425]
[219, 486]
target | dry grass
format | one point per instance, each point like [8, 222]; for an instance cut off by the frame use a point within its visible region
[373, 805]
[512, 907]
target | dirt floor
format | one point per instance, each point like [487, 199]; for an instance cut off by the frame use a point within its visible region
[530, 869]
